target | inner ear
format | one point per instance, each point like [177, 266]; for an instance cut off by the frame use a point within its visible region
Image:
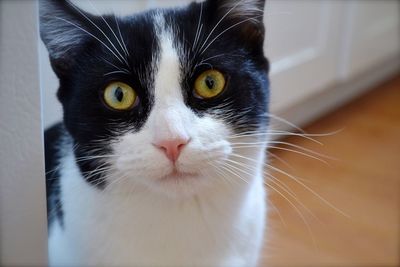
[64, 31]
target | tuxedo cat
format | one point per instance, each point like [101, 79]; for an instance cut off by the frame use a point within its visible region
[154, 163]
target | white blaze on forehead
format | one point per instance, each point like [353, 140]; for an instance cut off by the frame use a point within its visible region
[170, 117]
[167, 85]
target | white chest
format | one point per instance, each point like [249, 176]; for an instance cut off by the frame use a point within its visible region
[222, 228]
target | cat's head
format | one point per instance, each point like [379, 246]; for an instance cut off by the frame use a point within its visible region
[170, 99]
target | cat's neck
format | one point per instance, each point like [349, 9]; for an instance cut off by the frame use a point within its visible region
[145, 223]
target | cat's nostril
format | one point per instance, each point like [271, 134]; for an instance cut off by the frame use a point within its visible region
[172, 148]
[180, 146]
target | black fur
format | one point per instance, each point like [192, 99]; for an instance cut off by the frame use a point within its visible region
[243, 62]
[82, 67]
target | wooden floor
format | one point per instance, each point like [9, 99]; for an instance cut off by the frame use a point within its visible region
[363, 183]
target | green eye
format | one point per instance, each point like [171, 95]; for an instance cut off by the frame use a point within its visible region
[120, 96]
[209, 84]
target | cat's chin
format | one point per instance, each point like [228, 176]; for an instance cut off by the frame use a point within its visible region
[176, 176]
[178, 184]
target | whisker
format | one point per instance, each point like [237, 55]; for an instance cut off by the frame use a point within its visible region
[219, 22]
[116, 181]
[299, 152]
[108, 25]
[312, 152]
[291, 204]
[284, 162]
[198, 31]
[304, 149]
[254, 168]
[277, 184]
[297, 211]
[309, 189]
[234, 173]
[113, 65]
[120, 35]
[221, 173]
[273, 133]
[87, 158]
[106, 46]
[234, 25]
[115, 72]
[278, 212]
[104, 34]
[276, 117]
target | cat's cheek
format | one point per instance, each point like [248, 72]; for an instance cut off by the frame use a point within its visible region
[138, 160]
[202, 154]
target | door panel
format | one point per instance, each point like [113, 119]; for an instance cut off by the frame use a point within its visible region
[374, 35]
[301, 43]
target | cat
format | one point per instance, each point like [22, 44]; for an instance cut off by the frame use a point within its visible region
[159, 158]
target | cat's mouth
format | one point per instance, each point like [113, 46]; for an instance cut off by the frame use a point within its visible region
[175, 176]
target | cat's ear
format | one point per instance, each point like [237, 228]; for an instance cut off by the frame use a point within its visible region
[63, 31]
[245, 15]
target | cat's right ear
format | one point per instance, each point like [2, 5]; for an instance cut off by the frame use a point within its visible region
[63, 31]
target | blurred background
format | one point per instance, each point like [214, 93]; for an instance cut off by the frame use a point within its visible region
[335, 186]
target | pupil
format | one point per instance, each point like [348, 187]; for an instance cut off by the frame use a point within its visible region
[119, 94]
[210, 82]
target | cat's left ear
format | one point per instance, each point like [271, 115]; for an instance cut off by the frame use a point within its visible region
[243, 15]
[64, 31]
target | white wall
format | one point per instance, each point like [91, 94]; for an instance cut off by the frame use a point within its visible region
[23, 223]
[372, 36]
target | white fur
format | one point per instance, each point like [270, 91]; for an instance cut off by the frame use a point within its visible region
[141, 219]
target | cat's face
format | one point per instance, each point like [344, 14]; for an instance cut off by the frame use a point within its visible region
[160, 99]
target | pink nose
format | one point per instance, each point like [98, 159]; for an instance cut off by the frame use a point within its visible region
[172, 148]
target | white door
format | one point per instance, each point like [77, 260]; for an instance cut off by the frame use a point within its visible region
[302, 43]
[373, 36]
